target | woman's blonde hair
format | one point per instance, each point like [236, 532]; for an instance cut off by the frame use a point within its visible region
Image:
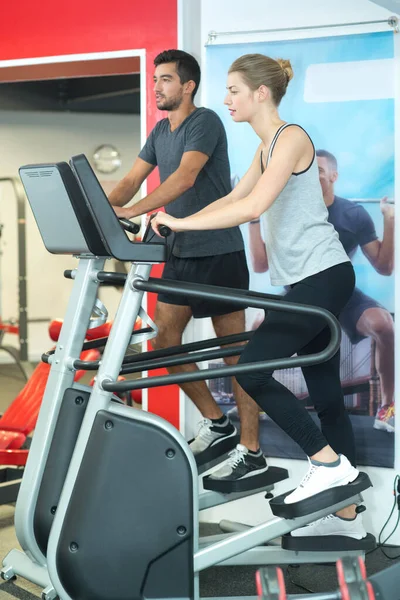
[258, 69]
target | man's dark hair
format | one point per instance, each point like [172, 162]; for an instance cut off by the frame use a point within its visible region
[331, 159]
[187, 66]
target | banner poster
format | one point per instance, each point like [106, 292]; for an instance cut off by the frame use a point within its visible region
[342, 94]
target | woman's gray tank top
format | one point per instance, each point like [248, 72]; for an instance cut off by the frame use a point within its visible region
[298, 237]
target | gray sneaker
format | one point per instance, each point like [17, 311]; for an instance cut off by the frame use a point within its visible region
[211, 434]
[241, 465]
[333, 525]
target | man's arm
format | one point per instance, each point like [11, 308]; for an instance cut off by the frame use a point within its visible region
[130, 184]
[381, 253]
[174, 186]
[243, 188]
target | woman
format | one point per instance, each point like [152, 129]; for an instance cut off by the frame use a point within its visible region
[282, 189]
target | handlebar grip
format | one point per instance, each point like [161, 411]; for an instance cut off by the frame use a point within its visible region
[164, 230]
[129, 226]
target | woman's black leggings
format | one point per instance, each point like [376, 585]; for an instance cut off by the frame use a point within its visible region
[284, 334]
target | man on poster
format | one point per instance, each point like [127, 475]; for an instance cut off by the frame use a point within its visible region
[363, 316]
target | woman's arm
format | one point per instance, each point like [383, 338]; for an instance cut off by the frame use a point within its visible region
[292, 144]
[243, 188]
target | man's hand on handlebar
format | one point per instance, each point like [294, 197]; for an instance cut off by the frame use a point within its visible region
[122, 212]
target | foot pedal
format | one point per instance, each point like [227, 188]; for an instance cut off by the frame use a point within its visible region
[216, 454]
[255, 482]
[320, 501]
[328, 543]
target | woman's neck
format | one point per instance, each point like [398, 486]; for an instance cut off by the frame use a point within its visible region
[265, 124]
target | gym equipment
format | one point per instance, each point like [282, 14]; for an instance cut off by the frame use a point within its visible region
[79, 312]
[90, 453]
[21, 328]
[12, 328]
[17, 423]
[19, 420]
[352, 579]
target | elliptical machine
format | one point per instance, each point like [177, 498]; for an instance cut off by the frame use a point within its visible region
[99, 515]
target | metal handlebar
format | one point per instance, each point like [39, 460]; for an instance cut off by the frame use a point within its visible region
[243, 299]
[129, 225]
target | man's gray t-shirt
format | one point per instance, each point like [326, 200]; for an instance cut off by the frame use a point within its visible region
[202, 131]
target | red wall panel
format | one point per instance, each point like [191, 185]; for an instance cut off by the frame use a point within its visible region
[32, 29]
[48, 28]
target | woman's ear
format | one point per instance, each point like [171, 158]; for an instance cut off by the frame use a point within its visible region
[263, 93]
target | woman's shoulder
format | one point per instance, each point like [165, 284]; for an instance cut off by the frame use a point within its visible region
[294, 131]
[294, 136]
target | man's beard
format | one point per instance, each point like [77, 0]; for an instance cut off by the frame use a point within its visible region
[170, 104]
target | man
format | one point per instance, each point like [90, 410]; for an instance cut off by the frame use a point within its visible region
[190, 149]
[364, 317]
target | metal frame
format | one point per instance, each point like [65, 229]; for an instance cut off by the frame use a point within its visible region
[243, 547]
[239, 548]
[392, 22]
[240, 298]
[72, 335]
[248, 541]
[31, 563]
[21, 356]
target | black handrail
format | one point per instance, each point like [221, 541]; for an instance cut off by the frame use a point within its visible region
[173, 356]
[105, 277]
[146, 359]
[235, 338]
[112, 278]
[129, 225]
[173, 361]
[91, 365]
[241, 299]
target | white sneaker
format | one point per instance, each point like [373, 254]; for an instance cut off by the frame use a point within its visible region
[320, 478]
[210, 434]
[333, 525]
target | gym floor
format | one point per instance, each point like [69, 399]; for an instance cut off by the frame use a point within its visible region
[222, 581]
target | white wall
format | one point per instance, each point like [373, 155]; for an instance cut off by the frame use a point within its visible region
[34, 137]
[393, 5]
[236, 15]
[252, 16]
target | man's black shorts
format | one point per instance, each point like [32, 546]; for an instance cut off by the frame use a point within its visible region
[226, 270]
[356, 306]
